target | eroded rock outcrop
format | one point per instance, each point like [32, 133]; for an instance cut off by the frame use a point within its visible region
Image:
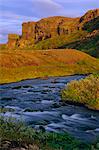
[12, 40]
[47, 28]
[90, 15]
[34, 32]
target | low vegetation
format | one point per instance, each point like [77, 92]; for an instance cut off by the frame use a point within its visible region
[84, 91]
[14, 134]
[18, 65]
[89, 45]
[77, 40]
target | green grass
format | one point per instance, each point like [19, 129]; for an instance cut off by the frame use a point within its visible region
[89, 45]
[19, 135]
[92, 25]
[84, 91]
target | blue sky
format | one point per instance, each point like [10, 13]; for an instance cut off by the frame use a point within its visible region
[14, 12]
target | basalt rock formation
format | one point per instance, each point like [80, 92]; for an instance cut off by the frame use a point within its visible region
[38, 35]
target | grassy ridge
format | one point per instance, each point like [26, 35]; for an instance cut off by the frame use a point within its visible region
[18, 65]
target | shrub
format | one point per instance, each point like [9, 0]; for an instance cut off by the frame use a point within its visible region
[13, 130]
[84, 91]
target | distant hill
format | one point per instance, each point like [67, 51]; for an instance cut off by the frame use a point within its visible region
[60, 32]
[18, 65]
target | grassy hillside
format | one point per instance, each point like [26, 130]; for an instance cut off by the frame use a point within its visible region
[77, 40]
[18, 65]
[89, 45]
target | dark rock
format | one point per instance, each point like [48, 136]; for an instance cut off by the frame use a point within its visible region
[17, 87]
[42, 128]
[5, 145]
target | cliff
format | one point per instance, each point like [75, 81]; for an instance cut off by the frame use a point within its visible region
[49, 27]
[34, 33]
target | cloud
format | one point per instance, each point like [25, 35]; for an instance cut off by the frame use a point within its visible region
[37, 8]
[44, 8]
[14, 12]
[11, 23]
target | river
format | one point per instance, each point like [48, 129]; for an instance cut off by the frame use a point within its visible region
[37, 102]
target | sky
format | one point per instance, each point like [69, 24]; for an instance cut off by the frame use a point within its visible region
[14, 12]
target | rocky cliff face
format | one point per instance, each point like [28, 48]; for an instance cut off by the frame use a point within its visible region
[34, 32]
[90, 15]
[47, 28]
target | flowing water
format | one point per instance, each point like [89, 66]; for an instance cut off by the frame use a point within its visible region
[38, 103]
